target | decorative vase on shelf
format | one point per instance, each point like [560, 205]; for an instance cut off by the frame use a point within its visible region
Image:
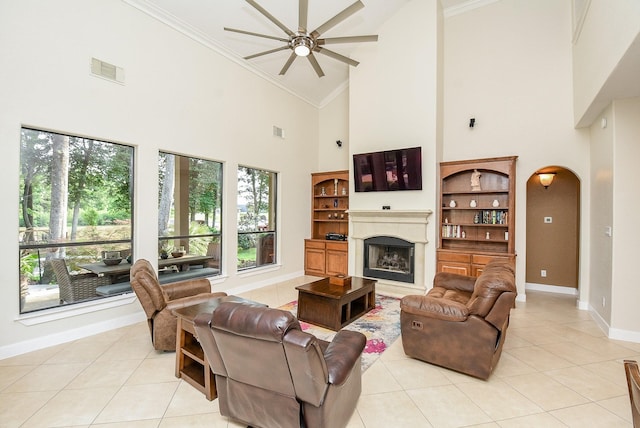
[473, 203]
[495, 203]
[452, 204]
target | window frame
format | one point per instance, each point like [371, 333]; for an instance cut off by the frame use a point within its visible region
[29, 267]
[272, 230]
[165, 251]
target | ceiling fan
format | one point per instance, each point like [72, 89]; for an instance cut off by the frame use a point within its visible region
[304, 43]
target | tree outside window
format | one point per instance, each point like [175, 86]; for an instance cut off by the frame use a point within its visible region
[256, 217]
[75, 204]
[189, 208]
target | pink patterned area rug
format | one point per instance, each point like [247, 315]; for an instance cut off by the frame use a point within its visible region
[381, 326]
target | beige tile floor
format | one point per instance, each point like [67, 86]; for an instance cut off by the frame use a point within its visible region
[557, 370]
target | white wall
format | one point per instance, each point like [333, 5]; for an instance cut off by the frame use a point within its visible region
[333, 126]
[602, 176]
[393, 104]
[625, 317]
[609, 28]
[178, 96]
[508, 65]
[615, 176]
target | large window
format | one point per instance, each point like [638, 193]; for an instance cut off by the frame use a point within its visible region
[74, 211]
[189, 216]
[256, 217]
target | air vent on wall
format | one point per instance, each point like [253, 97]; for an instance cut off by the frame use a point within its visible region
[278, 132]
[107, 71]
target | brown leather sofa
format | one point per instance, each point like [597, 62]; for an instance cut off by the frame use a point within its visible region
[461, 323]
[159, 300]
[269, 373]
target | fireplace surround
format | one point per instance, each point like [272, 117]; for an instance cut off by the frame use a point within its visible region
[408, 225]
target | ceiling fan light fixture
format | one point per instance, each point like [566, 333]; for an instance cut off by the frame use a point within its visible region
[302, 45]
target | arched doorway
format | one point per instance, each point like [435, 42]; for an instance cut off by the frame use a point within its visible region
[553, 232]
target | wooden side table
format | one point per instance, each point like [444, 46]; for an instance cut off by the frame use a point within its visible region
[191, 364]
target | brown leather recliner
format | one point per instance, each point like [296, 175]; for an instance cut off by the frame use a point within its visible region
[269, 373]
[159, 300]
[461, 323]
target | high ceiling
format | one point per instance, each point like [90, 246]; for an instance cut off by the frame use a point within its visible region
[205, 20]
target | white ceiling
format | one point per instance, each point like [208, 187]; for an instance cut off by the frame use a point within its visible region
[204, 20]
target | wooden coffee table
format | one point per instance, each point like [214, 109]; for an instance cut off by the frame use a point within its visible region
[191, 364]
[334, 306]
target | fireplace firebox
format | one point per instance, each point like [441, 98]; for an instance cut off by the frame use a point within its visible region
[387, 257]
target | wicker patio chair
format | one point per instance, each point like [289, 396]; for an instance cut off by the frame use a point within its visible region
[74, 288]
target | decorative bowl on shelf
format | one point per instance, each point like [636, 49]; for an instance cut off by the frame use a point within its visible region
[112, 261]
[177, 254]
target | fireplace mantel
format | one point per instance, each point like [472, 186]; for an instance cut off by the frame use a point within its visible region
[408, 215]
[410, 225]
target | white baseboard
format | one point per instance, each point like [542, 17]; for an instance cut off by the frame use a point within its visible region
[551, 288]
[570, 291]
[626, 335]
[582, 305]
[614, 333]
[601, 322]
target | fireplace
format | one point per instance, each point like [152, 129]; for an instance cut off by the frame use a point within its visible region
[404, 225]
[386, 257]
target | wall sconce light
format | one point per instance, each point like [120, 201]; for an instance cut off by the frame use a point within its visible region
[546, 178]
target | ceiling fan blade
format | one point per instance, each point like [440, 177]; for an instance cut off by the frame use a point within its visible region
[314, 63]
[283, 48]
[256, 34]
[270, 17]
[348, 39]
[337, 19]
[337, 56]
[303, 13]
[288, 63]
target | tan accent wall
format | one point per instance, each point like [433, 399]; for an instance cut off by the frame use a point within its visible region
[554, 246]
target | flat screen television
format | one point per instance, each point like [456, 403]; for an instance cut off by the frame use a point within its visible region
[399, 169]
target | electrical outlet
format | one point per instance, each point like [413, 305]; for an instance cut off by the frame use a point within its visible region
[543, 273]
[548, 220]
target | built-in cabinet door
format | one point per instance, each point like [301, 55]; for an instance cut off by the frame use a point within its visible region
[314, 259]
[336, 262]
[453, 267]
[454, 263]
